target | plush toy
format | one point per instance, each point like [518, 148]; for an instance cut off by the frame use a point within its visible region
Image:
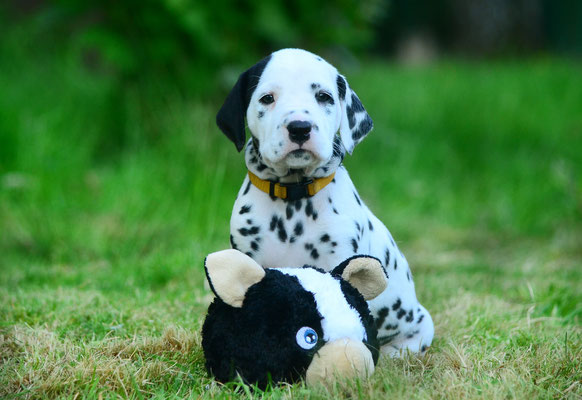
[275, 325]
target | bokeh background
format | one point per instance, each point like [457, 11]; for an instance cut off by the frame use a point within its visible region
[115, 181]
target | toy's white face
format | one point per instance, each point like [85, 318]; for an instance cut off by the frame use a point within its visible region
[340, 319]
[295, 111]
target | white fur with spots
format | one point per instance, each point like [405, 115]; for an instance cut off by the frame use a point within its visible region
[335, 224]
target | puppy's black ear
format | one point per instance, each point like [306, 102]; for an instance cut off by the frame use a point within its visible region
[355, 123]
[231, 116]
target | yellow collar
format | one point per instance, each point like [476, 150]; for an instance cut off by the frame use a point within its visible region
[291, 191]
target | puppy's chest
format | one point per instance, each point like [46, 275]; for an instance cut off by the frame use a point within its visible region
[316, 231]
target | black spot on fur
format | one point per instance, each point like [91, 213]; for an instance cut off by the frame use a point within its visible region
[387, 258]
[281, 232]
[309, 211]
[249, 231]
[391, 327]
[420, 319]
[298, 230]
[297, 205]
[382, 314]
[289, 211]
[315, 86]
[261, 167]
[409, 316]
[365, 126]
[335, 211]
[308, 246]
[341, 87]
[247, 188]
[355, 245]
[273, 223]
[401, 313]
[408, 275]
[314, 254]
[261, 114]
[370, 226]
[333, 244]
[382, 340]
[423, 348]
[351, 117]
[324, 238]
[232, 243]
[357, 105]
[395, 264]
[396, 305]
[256, 143]
[249, 221]
[254, 245]
[329, 200]
[248, 253]
[357, 199]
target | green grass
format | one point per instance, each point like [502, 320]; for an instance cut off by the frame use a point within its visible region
[111, 195]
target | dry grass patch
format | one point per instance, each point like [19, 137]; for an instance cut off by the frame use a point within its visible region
[39, 363]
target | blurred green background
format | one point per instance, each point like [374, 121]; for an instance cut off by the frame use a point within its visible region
[115, 181]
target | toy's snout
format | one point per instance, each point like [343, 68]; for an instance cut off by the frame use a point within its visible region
[345, 358]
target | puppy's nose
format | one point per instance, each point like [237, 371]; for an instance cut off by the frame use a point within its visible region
[299, 131]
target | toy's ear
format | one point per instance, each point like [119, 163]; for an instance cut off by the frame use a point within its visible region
[231, 116]
[355, 123]
[230, 274]
[365, 273]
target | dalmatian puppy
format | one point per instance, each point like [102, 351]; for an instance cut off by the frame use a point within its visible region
[297, 204]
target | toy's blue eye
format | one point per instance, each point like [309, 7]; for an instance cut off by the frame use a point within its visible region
[306, 338]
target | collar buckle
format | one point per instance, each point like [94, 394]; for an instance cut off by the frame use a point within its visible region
[297, 191]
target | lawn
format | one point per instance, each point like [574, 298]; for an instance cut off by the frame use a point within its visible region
[110, 197]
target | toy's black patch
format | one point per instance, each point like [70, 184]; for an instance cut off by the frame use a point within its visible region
[258, 340]
[356, 300]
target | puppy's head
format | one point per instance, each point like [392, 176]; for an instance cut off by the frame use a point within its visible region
[295, 103]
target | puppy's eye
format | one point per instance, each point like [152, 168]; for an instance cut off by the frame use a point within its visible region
[267, 99]
[323, 97]
[306, 338]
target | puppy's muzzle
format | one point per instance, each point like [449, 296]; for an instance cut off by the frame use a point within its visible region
[299, 131]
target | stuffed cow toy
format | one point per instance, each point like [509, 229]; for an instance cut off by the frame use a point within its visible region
[283, 324]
